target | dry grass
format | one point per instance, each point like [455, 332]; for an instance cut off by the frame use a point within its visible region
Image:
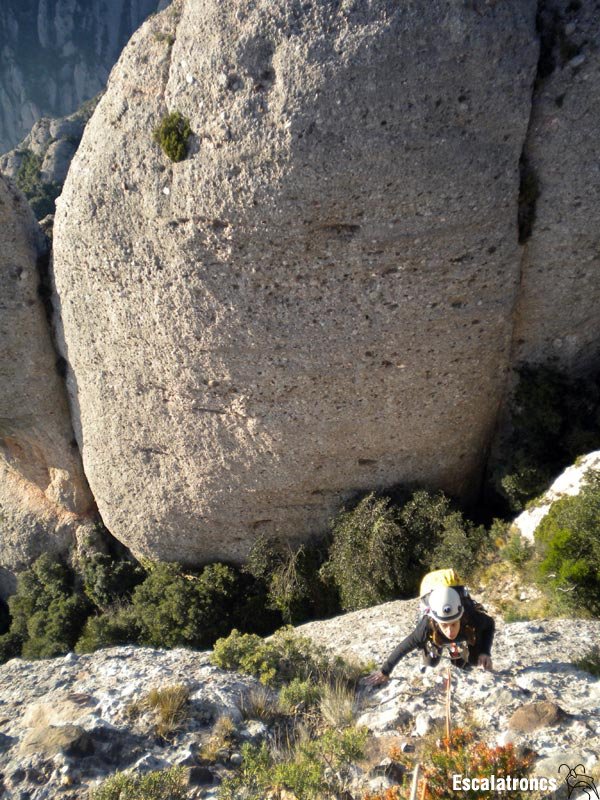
[221, 738]
[338, 706]
[168, 706]
[259, 703]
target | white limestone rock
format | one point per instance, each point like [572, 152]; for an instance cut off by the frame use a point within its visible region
[568, 484]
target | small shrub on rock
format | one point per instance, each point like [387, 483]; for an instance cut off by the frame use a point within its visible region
[172, 134]
[222, 737]
[299, 695]
[169, 784]
[568, 546]
[590, 662]
[462, 754]
[311, 769]
[281, 658]
[518, 550]
[41, 196]
[393, 793]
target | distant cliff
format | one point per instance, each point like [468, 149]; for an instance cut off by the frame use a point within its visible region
[55, 54]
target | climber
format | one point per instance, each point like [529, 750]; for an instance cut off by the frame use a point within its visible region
[452, 622]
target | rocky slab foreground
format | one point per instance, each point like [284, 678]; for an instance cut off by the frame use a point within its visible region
[64, 723]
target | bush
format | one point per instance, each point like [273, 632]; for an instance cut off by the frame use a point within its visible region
[221, 738]
[393, 793]
[518, 550]
[106, 579]
[553, 419]
[117, 626]
[462, 754]
[169, 784]
[41, 196]
[312, 769]
[175, 609]
[299, 695]
[10, 646]
[291, 579]
[461, 544]
[590, 662]
[568, 545]
[369, 555]
[281, 658]
[47, 614]
[54, 631]
[379, 552]
[170, 608]
[172, 135]
[4, 617]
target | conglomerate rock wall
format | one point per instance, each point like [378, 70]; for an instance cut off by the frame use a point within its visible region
[319, 299]
[44, 497]
[557, 316]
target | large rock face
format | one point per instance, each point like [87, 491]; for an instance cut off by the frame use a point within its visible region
[54, 54]
[558, 306]
[44, 497]
[320, 297]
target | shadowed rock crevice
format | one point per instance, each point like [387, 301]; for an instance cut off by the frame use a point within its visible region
[556, 318]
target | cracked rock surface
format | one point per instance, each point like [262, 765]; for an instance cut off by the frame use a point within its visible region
[65, 724]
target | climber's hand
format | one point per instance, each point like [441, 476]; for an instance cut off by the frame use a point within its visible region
[485, 662]
[377, 678]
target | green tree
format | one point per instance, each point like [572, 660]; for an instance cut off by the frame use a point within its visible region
[47, 613]
[568, 546]
[380, 552]
[106, 579]
[176, 609]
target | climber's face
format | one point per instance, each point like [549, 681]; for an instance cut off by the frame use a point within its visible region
[450, 629]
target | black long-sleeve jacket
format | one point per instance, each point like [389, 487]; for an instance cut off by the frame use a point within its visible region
[476, 628]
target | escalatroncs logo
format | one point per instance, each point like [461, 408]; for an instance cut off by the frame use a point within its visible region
[579, 780]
